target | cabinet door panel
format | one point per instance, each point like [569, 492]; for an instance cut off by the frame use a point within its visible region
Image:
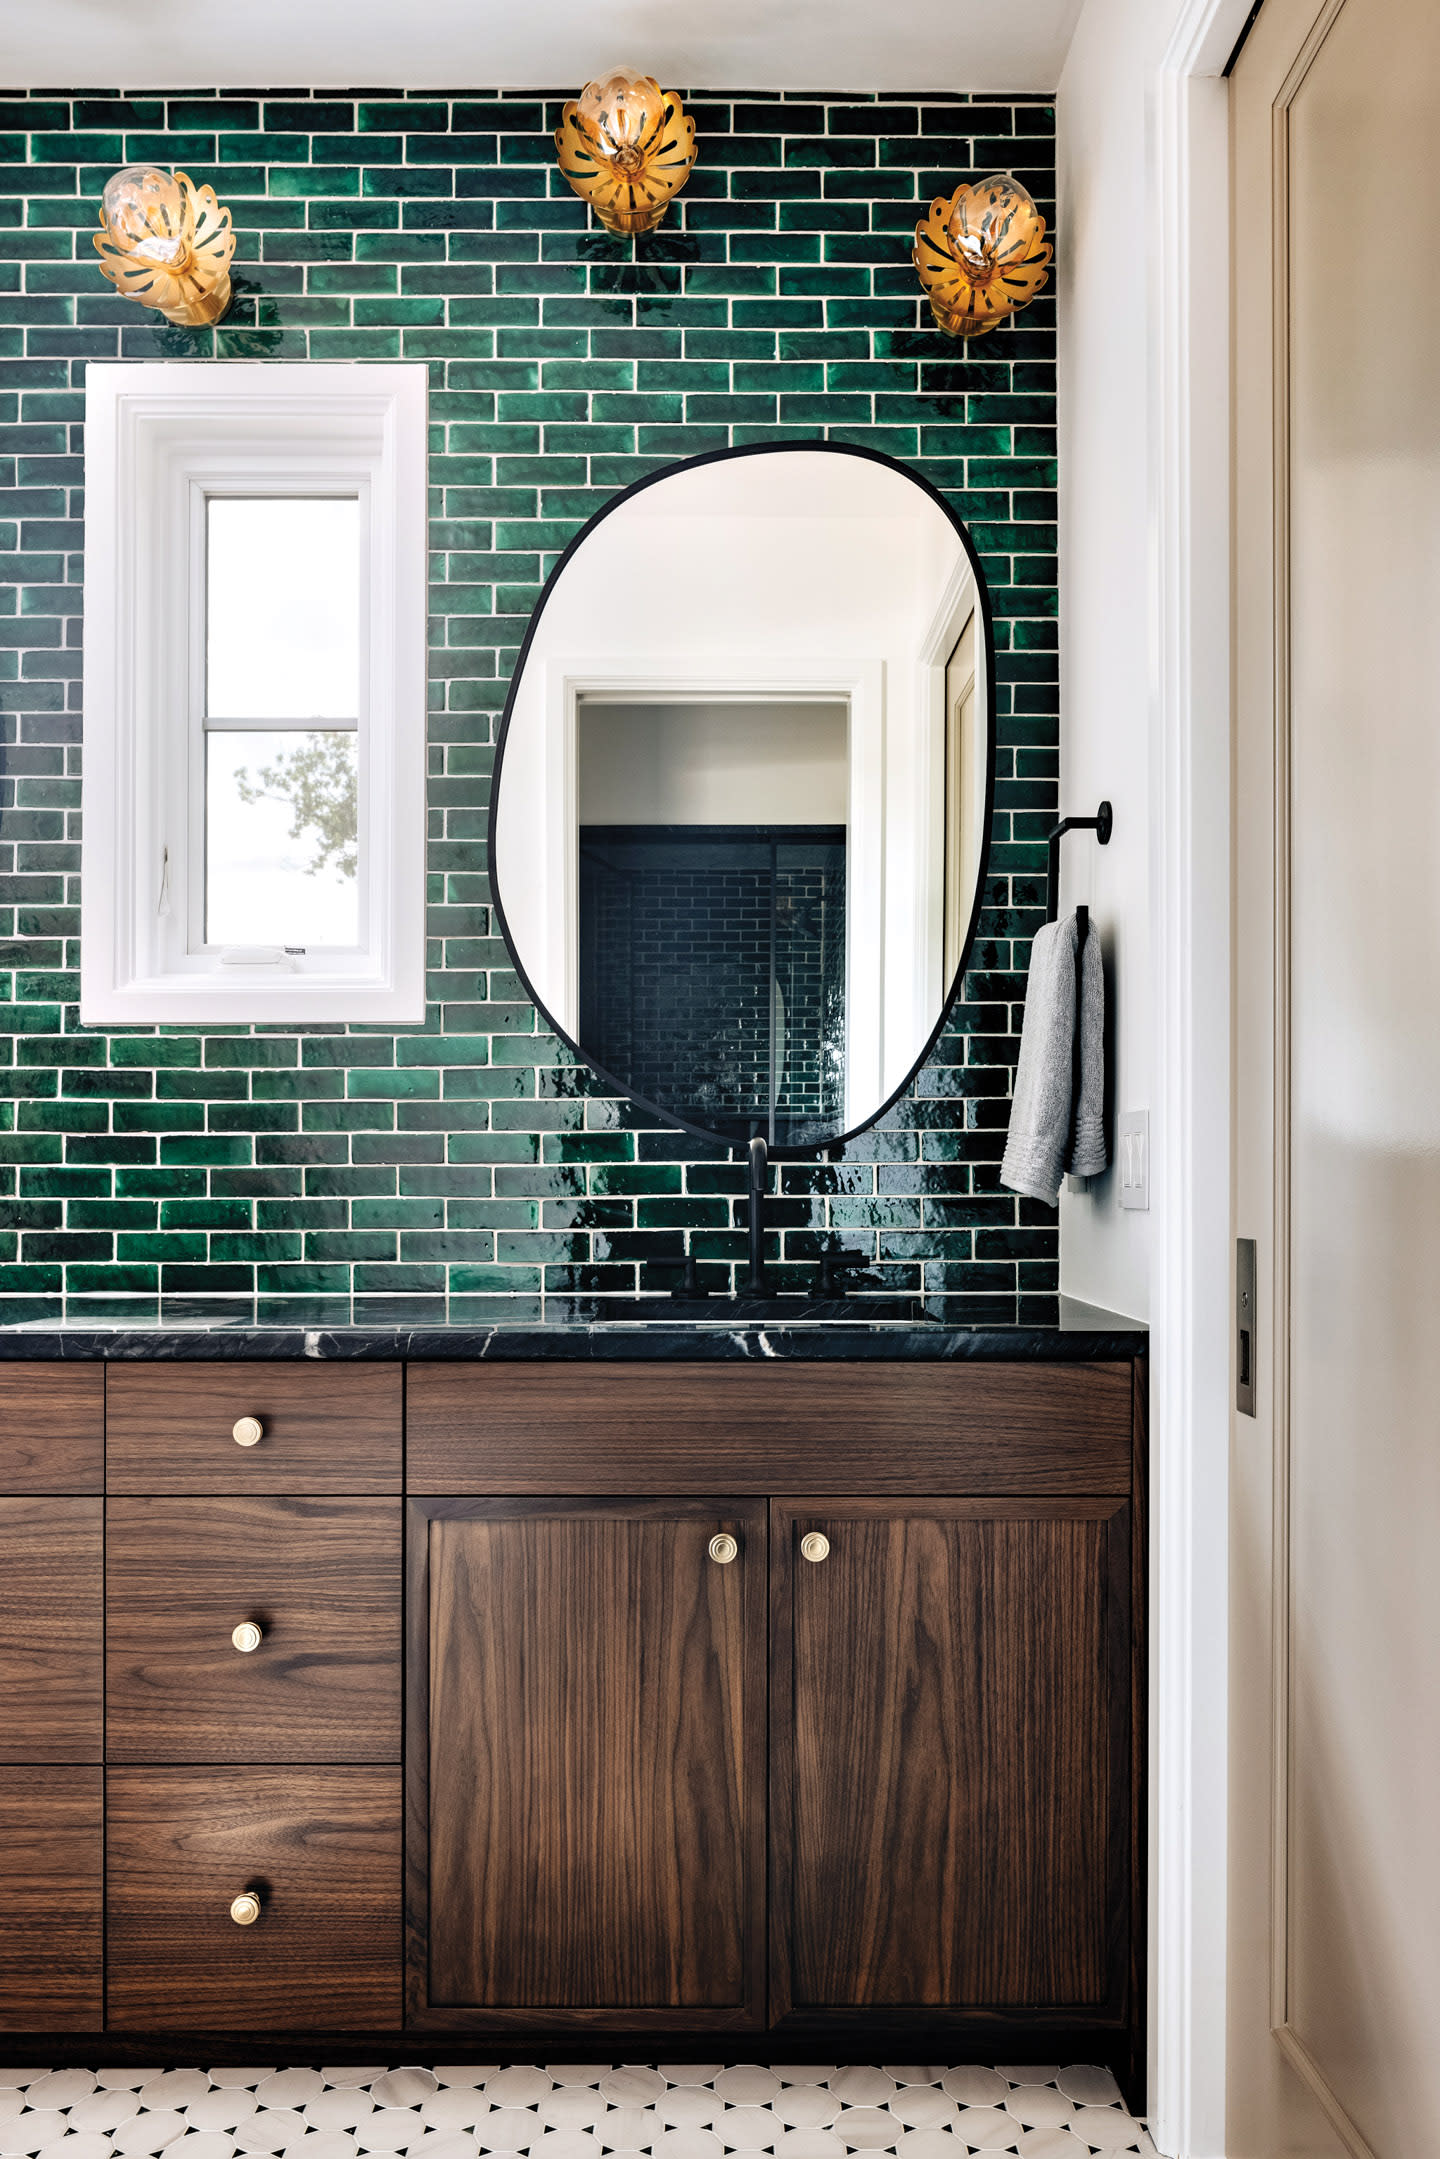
[50, 1895]
[949, 1751]
[320, 1848]
[322, 1578]
[50, 1654]
[595, 1758]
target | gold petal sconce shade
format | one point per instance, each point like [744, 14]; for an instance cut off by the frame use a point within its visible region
[981, 255]
[166, 243]
[626, 147]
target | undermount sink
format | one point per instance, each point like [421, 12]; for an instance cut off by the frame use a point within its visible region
[772, 1311]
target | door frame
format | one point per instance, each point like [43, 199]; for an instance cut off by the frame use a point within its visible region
[1188, 362]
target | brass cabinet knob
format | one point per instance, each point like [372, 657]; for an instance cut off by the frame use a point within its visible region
[723, 1549]
[245, 1909]
[248, 1635]
[247, 1431]
[815, 1546]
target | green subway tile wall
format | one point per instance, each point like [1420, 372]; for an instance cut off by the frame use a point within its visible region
[466, 1170]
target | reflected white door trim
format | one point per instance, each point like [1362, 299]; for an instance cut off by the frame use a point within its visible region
[723, 678]
[915, 963]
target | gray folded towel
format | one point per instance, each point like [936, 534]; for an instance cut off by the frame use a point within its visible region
[1051, 1131]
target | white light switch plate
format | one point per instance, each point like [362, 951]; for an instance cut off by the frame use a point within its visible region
[1132, 1158]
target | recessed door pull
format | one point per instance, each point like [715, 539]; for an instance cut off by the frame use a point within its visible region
[1245, 1316]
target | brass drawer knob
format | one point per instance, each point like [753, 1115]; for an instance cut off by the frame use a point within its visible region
[723, 1549]
[815, 1546]
[248, 1635]
[247, 1431]
[245, 1909]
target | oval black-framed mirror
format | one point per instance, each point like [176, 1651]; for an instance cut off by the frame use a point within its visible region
[743, 787]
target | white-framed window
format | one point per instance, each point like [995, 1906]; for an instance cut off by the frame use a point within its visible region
[254, 790]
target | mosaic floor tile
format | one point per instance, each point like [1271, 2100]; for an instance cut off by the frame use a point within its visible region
[568, 2110]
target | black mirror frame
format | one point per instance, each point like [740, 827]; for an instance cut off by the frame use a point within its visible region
[815, 1148]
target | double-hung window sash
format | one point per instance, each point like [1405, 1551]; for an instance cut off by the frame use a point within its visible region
[276, 754]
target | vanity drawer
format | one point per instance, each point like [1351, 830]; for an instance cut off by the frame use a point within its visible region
[318, 1848]
[323, 1428]
[52, 1427]
[319, 1577]
[51, 1562]
[851, 1429]
[50, 1897]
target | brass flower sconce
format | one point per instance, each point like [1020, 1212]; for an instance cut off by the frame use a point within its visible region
[981, 255]
[626, 147]
[166, 243]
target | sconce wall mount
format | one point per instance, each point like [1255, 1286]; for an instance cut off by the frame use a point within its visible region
[981, 254]
[626, 147]
[166, 243]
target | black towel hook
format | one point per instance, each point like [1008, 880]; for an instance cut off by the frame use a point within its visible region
[1102, 824]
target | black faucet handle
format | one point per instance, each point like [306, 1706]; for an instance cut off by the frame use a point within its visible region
[690, 1282]
[832, 1266]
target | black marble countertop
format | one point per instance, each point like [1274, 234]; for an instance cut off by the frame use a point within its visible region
[1033, 1329]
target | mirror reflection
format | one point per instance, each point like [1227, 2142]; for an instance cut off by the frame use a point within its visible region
[742, 790]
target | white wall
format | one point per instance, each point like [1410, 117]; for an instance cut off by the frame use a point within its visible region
[1105, 276]
[750, 764]
[1143, 268]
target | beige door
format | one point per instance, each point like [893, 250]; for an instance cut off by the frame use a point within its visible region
[1335, 1821]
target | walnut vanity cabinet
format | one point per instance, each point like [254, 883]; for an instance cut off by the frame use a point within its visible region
[490, 1703]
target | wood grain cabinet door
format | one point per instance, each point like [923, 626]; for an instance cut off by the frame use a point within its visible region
[50, 1899]
[319, 1852]
[321, 1581]
[949, 1749]
[586, 1763]
[50, 1648]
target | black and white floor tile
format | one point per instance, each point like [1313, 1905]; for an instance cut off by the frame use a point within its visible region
[567, 2110]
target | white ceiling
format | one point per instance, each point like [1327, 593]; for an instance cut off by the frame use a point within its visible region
[530, 44]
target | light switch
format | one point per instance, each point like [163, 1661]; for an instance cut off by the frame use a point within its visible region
[1133, 1158]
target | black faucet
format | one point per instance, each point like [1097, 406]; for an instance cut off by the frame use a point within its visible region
[759, 1177]
[832, 1266]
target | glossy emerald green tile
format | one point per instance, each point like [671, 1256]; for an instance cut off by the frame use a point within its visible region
[778, 302]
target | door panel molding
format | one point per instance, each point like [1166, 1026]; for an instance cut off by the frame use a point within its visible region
[1278, 1332]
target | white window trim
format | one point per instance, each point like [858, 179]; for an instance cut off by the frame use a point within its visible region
[157, 434]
